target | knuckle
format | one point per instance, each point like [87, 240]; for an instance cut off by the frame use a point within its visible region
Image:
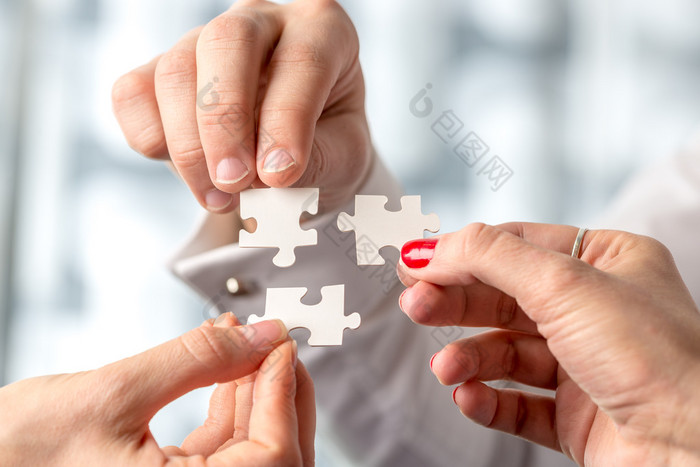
[476, 229]
[278, 118]
[251, 3]
[657, 249]
[189, 158]
[505, 310]
[649, 252]
[148, 141]
[466, 355]
[315, 7]
[304, 53]
[562, 278]
[230, 29]
[131, 95]
[211, 119]
[130, 89]
[510, 357]
[177, 64]
[334, 21]
[477, 237]
[283, 456]
[190, 461]
[230, 112]
[521, 414]
[206, 346]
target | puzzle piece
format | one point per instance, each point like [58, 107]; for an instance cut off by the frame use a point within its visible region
[326, 320]
[277, 211]
[375, 227]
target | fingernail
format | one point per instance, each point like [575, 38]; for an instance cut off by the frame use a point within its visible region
[217, 200]
[417, 254]
[230, 171]
[278, 160]
[454, 395]
[264, 333]
[401, 299]
[295, 353]
[401, 273]
[221, 319]
[431, 360]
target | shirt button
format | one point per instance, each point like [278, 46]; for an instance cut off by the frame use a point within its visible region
[236, 287]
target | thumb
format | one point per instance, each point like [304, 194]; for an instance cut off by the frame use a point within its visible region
[539, 278]
[141, 385]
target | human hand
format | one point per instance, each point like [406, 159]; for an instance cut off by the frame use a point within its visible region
[101, 417]
[614, 334]
[263, 95]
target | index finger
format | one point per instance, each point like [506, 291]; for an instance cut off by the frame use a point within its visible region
[315, 49]
[502, 258]
[230, 54]
[273, 431]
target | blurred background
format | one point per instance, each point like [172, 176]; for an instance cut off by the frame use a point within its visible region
[571, 96]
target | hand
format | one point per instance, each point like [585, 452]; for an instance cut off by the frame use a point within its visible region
[263, 95]
[614, 334]
[101, 417]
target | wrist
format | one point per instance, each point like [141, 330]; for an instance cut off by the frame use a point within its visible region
[686, 433]
[668, 420]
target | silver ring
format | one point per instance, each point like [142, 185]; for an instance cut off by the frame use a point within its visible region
[576, 250]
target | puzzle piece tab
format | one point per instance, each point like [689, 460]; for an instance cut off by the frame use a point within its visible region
[326, 320]
[277, 211]
[375, 227]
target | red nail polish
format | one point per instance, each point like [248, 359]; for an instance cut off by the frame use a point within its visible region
[418, 253]
[454, 394]
[431, 360]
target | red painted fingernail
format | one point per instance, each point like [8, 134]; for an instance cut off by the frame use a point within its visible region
[454, 393]
[431, 360]
[418, 253]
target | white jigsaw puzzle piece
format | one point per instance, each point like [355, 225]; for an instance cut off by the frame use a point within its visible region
[375, 227]
[277, 212]
[326, 320]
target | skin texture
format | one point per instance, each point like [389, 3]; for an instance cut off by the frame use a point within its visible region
[261, 413]
[263, 95]
[274, 90]
[614, 335]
